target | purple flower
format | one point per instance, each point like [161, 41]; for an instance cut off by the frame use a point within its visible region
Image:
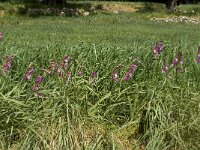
[40, 95]
[178, 59]
[175, 62]
[158, 48]
[7, 64]
[35, 87]
[29, 73]
[198, 56]
[38, 79]
[165, 69]
[93, 74]
[66, 60]
[59, 71]
[128, 75]
[6, 67]
[115, 72]
[115, 76]
[1, 35]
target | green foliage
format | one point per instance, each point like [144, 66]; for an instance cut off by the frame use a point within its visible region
[79, 114]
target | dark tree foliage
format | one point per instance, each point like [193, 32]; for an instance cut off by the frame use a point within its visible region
[171, 4]
[54, 1]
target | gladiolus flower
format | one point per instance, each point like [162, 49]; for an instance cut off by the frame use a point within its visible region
[93, 74]
[198, 56]
[1, 35]
[35, 87]
[165, 69]
[38, 79]
[115, 76]
[158, 48]
[40, 95]
[7, 64]
[128, 75]
[59, 71]
[178, 59]
[174, 62]
[29, 73]
[66, 60]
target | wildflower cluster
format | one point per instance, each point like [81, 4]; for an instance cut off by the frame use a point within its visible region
[158, 48]
[115, 75]
[198, 55]
[128, 75]
[80, 71]
[29, 73]
[1, 35]
[59, 67]
[178, 60]
[63, 71]
[177, 63]
[7, 63]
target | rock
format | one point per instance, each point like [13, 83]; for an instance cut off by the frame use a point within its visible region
[183, 19]
[86, 13]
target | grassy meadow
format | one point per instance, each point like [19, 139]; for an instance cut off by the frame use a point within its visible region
[84, 101]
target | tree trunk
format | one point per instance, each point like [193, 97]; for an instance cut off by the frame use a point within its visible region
[171, 5]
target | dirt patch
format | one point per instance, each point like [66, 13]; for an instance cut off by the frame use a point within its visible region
[118, 8]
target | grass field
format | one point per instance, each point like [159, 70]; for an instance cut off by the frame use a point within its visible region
[109, 93]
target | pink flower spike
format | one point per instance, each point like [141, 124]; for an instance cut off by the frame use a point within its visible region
[28, 73]
[198, 56]
[35, 87]
[165, 68]
[66, 59]
[93, 74]
[128, 75]
[115, 76]
[38, 79]
[40, 95]
[7, 63]
[158, 48]
[1, 35]
[6, 67]
[59, 71]
[174, 62]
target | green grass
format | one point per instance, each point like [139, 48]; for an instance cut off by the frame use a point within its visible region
[149, 111]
